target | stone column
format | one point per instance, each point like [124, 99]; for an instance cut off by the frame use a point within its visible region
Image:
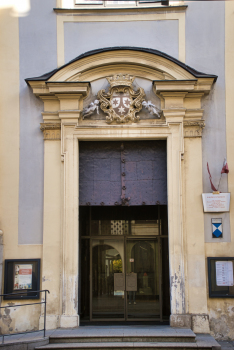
[51, 222]
[69, 114]
[196, 285]
[63, 103]
[181, 105]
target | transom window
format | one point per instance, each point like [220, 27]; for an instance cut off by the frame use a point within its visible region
[72, 4]
[106, 3]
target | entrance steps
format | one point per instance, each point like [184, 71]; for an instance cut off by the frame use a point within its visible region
[126, 338]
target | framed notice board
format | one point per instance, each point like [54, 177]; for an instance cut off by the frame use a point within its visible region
[221, 277]
[22, 278]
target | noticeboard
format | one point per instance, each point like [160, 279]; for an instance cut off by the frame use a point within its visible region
[221, 277]
[22, 278]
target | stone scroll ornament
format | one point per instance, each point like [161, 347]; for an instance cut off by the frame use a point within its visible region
[121, 102]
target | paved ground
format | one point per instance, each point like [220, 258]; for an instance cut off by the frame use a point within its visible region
[103, 330]
[227, 345]
[116, 330]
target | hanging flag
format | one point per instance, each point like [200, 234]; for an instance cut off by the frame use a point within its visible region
[211, 183]
[225, 169]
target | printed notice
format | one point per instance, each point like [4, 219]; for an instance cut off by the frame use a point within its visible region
[219, 202]
[224, 273]
[23, 277]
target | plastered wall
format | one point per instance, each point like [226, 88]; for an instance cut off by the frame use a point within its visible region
[222, 310]
[31, 48]
[82, 37]
[37, 54]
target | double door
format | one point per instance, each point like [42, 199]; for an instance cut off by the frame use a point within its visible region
[125, 279]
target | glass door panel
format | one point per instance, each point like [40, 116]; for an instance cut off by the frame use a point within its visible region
[142, 279]
[108, 279]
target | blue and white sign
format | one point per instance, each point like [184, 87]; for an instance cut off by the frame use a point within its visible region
[217, 228]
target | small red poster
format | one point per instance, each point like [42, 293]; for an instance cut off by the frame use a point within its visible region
[23, 276]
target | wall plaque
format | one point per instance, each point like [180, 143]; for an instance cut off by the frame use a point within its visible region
[216, 202]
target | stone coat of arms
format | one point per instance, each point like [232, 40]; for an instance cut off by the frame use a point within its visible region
[121, 102]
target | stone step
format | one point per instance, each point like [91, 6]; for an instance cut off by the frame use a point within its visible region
[183, 338]
[125, 346]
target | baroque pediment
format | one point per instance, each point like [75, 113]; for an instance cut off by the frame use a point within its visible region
[173, 93]
[140, 62]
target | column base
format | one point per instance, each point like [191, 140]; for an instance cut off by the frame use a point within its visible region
[181, 321]
[69, 321]
[200, 323]
[52, 321]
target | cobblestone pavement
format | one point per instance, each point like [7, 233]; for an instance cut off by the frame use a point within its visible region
[226, 345]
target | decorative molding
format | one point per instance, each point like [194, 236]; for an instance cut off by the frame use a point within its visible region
[51, 131]
[121, 102]
[79, 9]
[193, 128]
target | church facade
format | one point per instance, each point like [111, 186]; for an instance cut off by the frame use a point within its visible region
[116, 121]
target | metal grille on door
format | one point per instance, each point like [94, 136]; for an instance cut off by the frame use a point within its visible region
[122, 173]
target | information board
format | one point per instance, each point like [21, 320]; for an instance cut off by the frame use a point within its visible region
[213, 202]
[221, 277]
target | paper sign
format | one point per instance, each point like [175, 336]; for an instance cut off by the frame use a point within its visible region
[224, 273]
[131, 260]
[216, 202]
[23, 276]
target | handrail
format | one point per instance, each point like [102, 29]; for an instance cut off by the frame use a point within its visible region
[42, 302]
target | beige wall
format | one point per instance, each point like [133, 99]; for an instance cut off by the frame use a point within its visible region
[221, 310]
[9, 160]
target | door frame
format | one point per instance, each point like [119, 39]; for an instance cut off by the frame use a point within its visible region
[173, 133]
[158, 257]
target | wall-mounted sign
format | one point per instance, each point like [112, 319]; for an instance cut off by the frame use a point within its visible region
[217, 228]
[216, 202]
[131, 282]
[221, 277]
[224, 273]
[22, 278]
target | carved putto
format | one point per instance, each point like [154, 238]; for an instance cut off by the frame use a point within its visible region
[88, 111]
[153, 110]
[121, 102]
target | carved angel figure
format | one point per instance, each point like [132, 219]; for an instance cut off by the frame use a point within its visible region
[152, 108]
[88, 111]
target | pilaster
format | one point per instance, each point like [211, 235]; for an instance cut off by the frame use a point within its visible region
[62, 106]
[181, 102]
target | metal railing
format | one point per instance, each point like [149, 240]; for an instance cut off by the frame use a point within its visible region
[42, 302]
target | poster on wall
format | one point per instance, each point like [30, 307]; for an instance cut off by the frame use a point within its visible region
[216, 202]
[224, 273]
[23, 276]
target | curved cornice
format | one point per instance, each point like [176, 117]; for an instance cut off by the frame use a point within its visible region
[89, 66]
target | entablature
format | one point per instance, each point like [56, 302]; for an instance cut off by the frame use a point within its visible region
[179, 87]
